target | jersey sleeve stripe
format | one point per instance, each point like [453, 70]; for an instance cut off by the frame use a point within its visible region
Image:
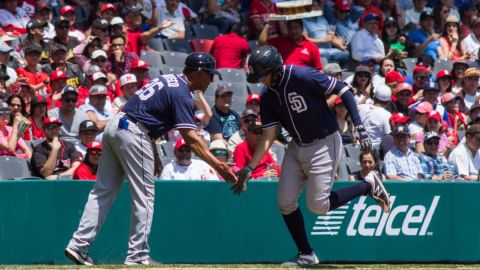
[185, 125]
[270, 124]
[333, 82]
[344, 89]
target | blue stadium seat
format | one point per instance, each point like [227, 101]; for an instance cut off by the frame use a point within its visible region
[154, 59]
[233, 75]
[12, 168]
[410, 63]
[174, 59]
[279, 151]
[167, 148]
[170, 70]
[205, 31]
[153, 72]
[255, 88]
[353, 151]
[353, 166]
[239, 89]
[177, 45]
[156, 44]
[342, 167]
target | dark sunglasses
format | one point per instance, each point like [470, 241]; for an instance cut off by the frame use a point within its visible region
[63, 27]
[445, 79]
[363, 75]
[423, 78]
[70, 100]
[52, 127]
[432, 143]
[218, 152]
[101, 59]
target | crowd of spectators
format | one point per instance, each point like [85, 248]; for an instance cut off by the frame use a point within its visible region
[68, 66]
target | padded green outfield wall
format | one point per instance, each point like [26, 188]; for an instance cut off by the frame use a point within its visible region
[203, 222]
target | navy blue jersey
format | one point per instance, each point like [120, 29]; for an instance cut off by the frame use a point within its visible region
[299, 103]
[162, 104]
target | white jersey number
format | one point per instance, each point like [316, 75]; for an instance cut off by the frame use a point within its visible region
[148, 90]
[297, 102]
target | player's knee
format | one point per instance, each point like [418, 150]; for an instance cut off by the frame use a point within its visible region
[319, 207]
[287, 207]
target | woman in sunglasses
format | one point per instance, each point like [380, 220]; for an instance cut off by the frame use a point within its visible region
[362, 85]
[10, 139]
[451, 48]
[444, 81]
[88, 169]
[433, 123]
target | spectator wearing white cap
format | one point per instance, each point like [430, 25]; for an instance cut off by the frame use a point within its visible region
[128, 85]
[116, 26]
[374, 116]
[83, 52]
[99, 58]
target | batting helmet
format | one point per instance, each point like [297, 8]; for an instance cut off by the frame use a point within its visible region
[201, 61]
[263, 61]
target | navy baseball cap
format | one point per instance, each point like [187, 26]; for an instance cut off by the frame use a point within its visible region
[431, 86]
[371, 17]
[426, 14]
[201, 61]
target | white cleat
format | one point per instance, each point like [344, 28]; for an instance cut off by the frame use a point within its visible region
[303, 260]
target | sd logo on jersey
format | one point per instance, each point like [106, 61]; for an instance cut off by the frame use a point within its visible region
[297, 102]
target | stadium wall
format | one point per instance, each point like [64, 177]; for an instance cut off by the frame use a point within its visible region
[203, 222]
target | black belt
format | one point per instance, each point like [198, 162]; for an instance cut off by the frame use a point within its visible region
[311, 141]
[150, 133]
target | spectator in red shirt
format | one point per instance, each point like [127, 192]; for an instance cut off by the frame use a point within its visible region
[88, 169]
[30, 74]
[243, 153]
[38, 112]
[135, 36]
[258, 19]
[230, 50]
[58, 81]
[295, 49]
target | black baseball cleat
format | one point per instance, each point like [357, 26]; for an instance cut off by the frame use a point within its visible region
[379, 192]
[78, 257]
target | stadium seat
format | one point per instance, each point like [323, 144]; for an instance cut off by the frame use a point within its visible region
[346, 74]
[72, 140]
[233, 75]
[279, 151]
[169, 70]
[238, 104]
[154, 59]
[324, 61]
[205, 31]
[410, 63]
[342, 167]
[12, 168]
[201, 45]
[353, 166]
[156, 44]
[188, 31]
[168, 149]
[239, 89]
[210, 92]
[153, 72]
[255, 88]
[442, 64]
[174, 59]
[352, 151]
[177, 45]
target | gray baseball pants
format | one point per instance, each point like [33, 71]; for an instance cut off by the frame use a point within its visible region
[314, 165]
[125, 153]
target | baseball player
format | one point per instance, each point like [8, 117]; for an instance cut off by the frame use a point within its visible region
[296, 98]
[129, 152]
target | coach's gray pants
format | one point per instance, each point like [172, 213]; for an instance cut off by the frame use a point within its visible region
[315, 165]
[125, 154]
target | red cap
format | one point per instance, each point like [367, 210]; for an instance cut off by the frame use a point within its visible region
[107, 7]
[139, 64]
[421, 69]
[443, 73]
[57, 74]
[434, 115]
[394, 76]
[51, 120]
[342, 5]
[180, 143]
[338, 101]
[399, 118]
[94, 145]
[67, 9]
[404, 86]
[447, 97]
[252, 97]
[424, 107]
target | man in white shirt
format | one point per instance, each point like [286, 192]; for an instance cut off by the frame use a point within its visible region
[413, 15]
[374, 117]
[169, 10]
[13, 17]
[185, 168]
[472, 41]
[366, 43]
[466, 156]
